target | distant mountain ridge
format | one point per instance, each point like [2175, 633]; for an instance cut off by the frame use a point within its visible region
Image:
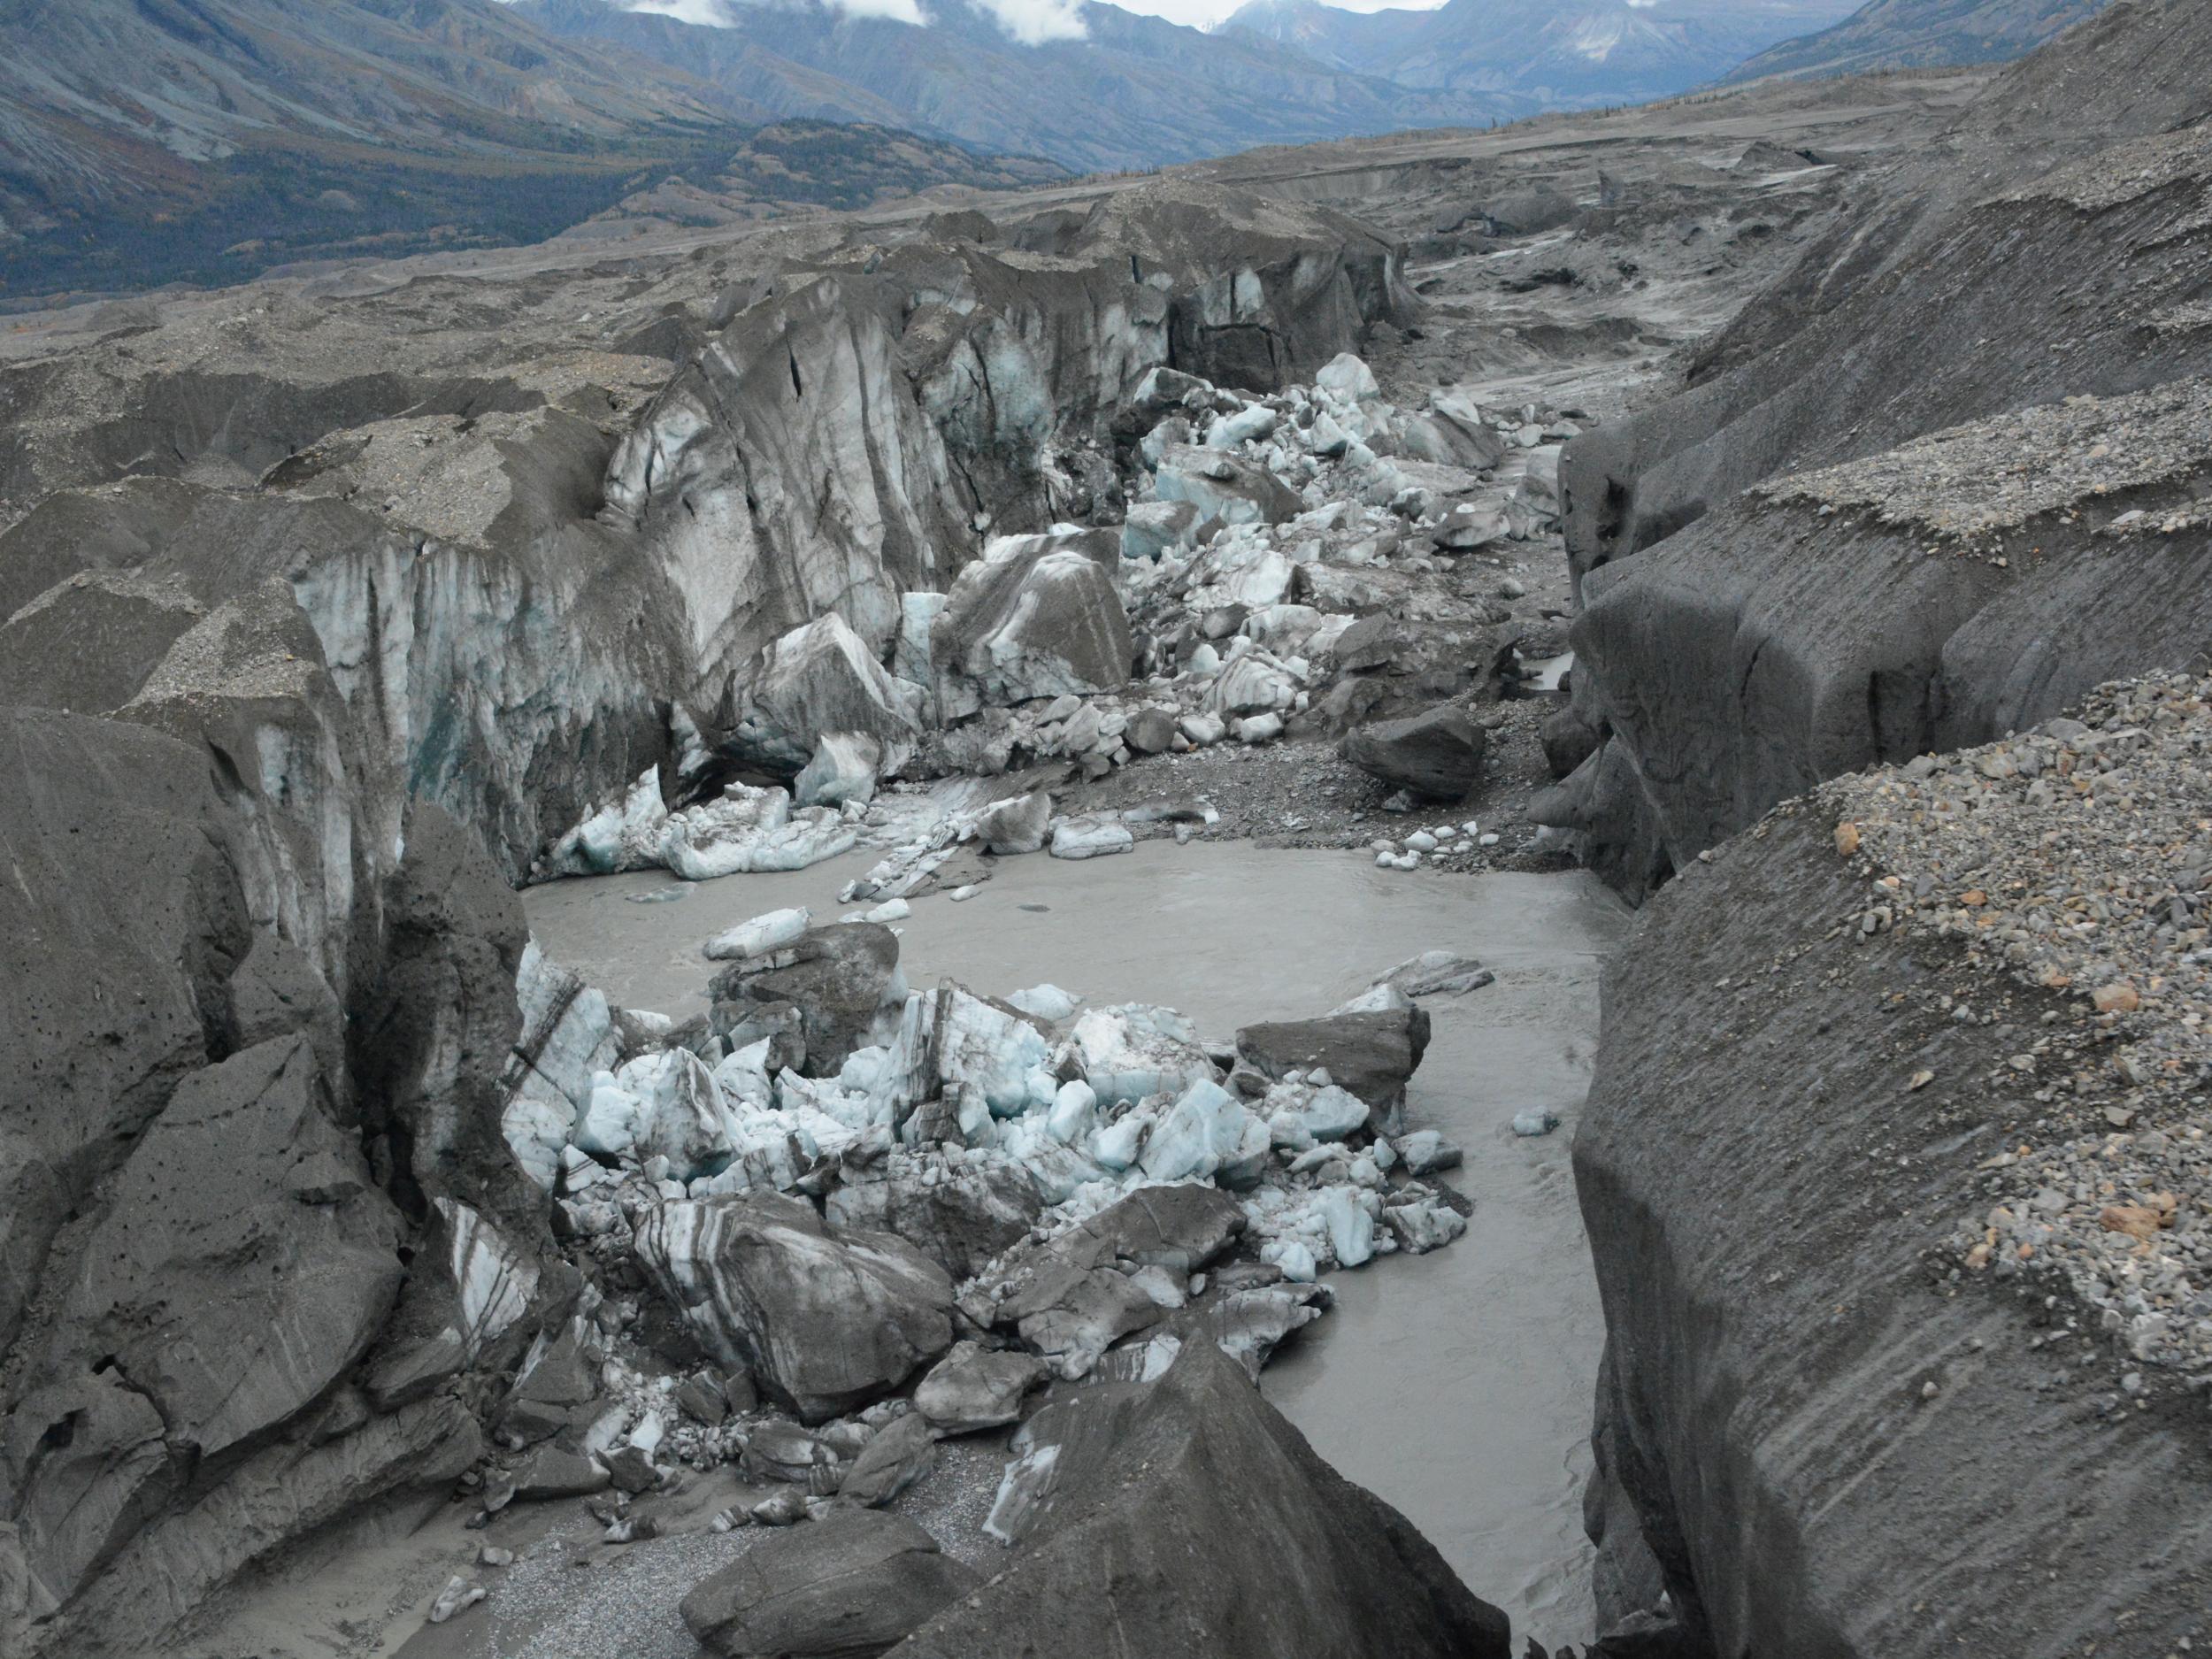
[1913, 34]
[1557, 52]
[149, 140]
[1137, 91]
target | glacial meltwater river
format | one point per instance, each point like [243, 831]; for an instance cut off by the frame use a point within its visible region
[1457, 1385]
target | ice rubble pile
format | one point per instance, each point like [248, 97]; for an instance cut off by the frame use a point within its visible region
[829, 1178]
[1286, 564]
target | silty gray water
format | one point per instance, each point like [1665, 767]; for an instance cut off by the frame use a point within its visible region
[1456, 1385]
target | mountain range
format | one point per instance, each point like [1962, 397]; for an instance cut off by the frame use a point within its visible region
[141, 139]
[1567, 54]
[1134, 91]
[151, 141]
[1910, 33]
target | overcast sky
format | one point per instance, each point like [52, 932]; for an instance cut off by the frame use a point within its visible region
[1030, 20]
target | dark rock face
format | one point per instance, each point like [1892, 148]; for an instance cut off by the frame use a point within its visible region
[1436, 754]
[1227, 1537]
[824, 455]
[90, 644]
[1916, 498]
[1882, 595]
[1790, 639]
[118, 945]
[847, 1586]
[444, 1022]
[1569, 740]
[165, 1363]
[1854, 1480]
[212, 1355]
[436, 643]
[833, 450]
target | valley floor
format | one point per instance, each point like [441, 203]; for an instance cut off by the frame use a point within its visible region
[1456, 1385]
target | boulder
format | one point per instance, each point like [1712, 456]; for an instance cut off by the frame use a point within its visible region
[826, 1321]
[960, 1215]
[1433, 973]
[554, 1380]
[771, 931]
[1569, 740]
[780, 1451]
[1247, 424]
[1254, 682]
[843, 768]
[993, 1050]
[1072, 1315]
[703, 1400]
[662, 1104]
[842, 978]
[846, 1586]
[1038, 616]
[1015, 825]
[1074, 1298]
[1155, 527]
[1468, 526]
[1091, 835]
[820, 678]
[1224, 487]
[1228, 1537]
[1125, 1054]
[1207, 1133]
[1436, 754]
[1346, 376]
[1371, 1053]
[1150, 731]
[899, 1455]
[744, 830]
[1249, 1322]
[1240, 573]
[974, 1388]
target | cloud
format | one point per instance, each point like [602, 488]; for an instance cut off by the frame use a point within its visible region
[706, 12]
[716, 14]
[1034, 22]
[897, 10]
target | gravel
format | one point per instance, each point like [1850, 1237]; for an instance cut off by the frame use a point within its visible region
[622, 1601]
[2074, 859]
[1305, 795]
[2005, 474]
